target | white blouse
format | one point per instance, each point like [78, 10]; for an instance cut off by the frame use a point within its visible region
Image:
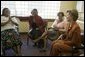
[59, 25]
[9, 25]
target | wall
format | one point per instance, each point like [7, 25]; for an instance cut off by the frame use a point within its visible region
[24, 26]
[65, 5]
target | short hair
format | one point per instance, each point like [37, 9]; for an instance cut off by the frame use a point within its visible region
[34, 10]
[60, 13]
[3, 11]
[73, 13]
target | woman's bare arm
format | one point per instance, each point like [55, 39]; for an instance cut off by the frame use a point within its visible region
[4, 23]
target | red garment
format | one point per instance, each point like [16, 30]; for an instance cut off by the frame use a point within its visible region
[64, 45]
[39, 22]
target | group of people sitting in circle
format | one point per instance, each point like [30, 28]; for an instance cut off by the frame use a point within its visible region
[37, 32]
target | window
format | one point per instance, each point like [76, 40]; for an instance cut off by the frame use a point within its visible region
[46, 9]
[10, 5]
[80, 8]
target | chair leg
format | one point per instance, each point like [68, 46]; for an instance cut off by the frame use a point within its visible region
[17, 50]
[3, 52]
[45, 43]
[27, 41]
[44, 47]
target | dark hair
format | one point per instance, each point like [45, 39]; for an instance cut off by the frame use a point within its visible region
[34, 10]
[73, 13]
[60, 13]
[3, 11]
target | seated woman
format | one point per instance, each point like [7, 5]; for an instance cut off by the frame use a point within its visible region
[58, 25]
[71, 38]
[59, 22]
[36, 27]
[9, 34]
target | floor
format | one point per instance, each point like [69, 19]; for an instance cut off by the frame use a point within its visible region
[29, 50]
